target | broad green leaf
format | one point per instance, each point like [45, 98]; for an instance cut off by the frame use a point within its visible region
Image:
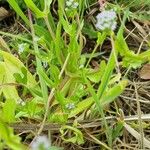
[69, 28]
[81, 106]
[8, 110]
[60, 98]
[132, 60]
[9, 91]
[121, 45]
[39, 14]
[11, 140]
[54, 73]
[21, 78]
[14, 65]
[95, 76]
[113, 92]
[10, 66]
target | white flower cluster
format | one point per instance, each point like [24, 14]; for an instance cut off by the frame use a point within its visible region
[41, 143]
[106, 20]
[71, 4]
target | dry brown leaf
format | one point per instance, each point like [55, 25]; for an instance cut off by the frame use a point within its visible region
[144, 73]
[102, 4]
[140, 28]
[3, 13]
[3, 45]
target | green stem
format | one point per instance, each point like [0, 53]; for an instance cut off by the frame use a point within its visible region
[100, 109]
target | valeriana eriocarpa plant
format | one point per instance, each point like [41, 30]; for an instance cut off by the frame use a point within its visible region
[63, 85]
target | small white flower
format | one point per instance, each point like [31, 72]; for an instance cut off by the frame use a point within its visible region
[70, 106]
[75, 5]
[106, 20]
[71, 4]
[21, 48]
[41, 143]
[21, 102]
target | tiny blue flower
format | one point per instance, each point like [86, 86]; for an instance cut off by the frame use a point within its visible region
[70, 106]
[21, 48]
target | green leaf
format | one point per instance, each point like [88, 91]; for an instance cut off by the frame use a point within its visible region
[47, 5]
[145, 55]
[81, 106]
[120, 43]
[113, 92]
[14, 65]
[11, 140]
[6, 76]
[18, 10]
[69, 28]
[39, 14]
[95, 76]
[8, 111]
[117, 130]
[21, 78]
[132, 60]
[47, 80]
[106, 75]
[41, 31]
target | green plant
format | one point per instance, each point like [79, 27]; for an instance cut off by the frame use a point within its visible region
[55, 53]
